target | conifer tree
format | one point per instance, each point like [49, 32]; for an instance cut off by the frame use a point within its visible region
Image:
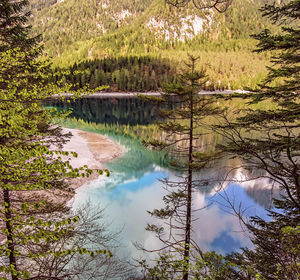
[14, 30]
[180, 126]
[268, 139]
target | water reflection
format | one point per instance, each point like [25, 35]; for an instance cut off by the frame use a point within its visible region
[130, 192]
[127, 110]
[134, 188]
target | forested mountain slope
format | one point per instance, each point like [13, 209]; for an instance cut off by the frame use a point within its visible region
[63, 22]
[131, 26]
[74, 31]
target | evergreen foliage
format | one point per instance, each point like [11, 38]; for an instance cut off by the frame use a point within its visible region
[225, 70]
[268, 139]
[13, 29]
[128, 73]
[75, 32]
[179, 126]
[62, 23]
[121, 24]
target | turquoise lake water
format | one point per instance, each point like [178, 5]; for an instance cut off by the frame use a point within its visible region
[134, 186]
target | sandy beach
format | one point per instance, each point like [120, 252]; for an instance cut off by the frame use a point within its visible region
[92, 150]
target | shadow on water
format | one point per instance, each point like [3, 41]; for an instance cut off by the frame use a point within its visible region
[132, 111]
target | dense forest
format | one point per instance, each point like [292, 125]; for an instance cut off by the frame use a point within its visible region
[225, 70]
[137, 26]
[80, 33]
[129, 73]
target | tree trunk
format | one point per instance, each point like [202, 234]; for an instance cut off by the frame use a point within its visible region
[9, 234]
[189, 195]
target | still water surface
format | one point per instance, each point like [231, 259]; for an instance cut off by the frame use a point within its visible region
[134, 187]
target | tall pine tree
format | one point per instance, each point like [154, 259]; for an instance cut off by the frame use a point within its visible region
[180, 127]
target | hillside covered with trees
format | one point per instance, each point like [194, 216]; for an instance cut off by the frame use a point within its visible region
[76, 32]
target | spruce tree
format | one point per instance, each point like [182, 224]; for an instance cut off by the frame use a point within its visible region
[14, 32]
[268, 139]
[180, 127]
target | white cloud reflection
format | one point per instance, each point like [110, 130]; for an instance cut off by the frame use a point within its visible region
[127, 205]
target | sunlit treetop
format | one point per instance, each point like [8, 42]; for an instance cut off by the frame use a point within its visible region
[219, 5]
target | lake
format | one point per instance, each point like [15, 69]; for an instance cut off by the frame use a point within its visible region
[134, 186]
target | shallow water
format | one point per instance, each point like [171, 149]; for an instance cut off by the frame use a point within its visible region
[134, 187]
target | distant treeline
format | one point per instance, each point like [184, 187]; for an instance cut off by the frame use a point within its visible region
[128, 73]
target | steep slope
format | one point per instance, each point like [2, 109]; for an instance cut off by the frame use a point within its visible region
[63, 22]
[92, 33]
[131, 26]
[163, 27]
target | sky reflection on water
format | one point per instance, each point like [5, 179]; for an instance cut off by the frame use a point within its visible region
[128, 196]
[134, 187]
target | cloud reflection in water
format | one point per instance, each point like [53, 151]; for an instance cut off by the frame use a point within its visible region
[128, 198]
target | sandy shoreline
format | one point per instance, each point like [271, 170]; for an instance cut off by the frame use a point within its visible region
[92, 150]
